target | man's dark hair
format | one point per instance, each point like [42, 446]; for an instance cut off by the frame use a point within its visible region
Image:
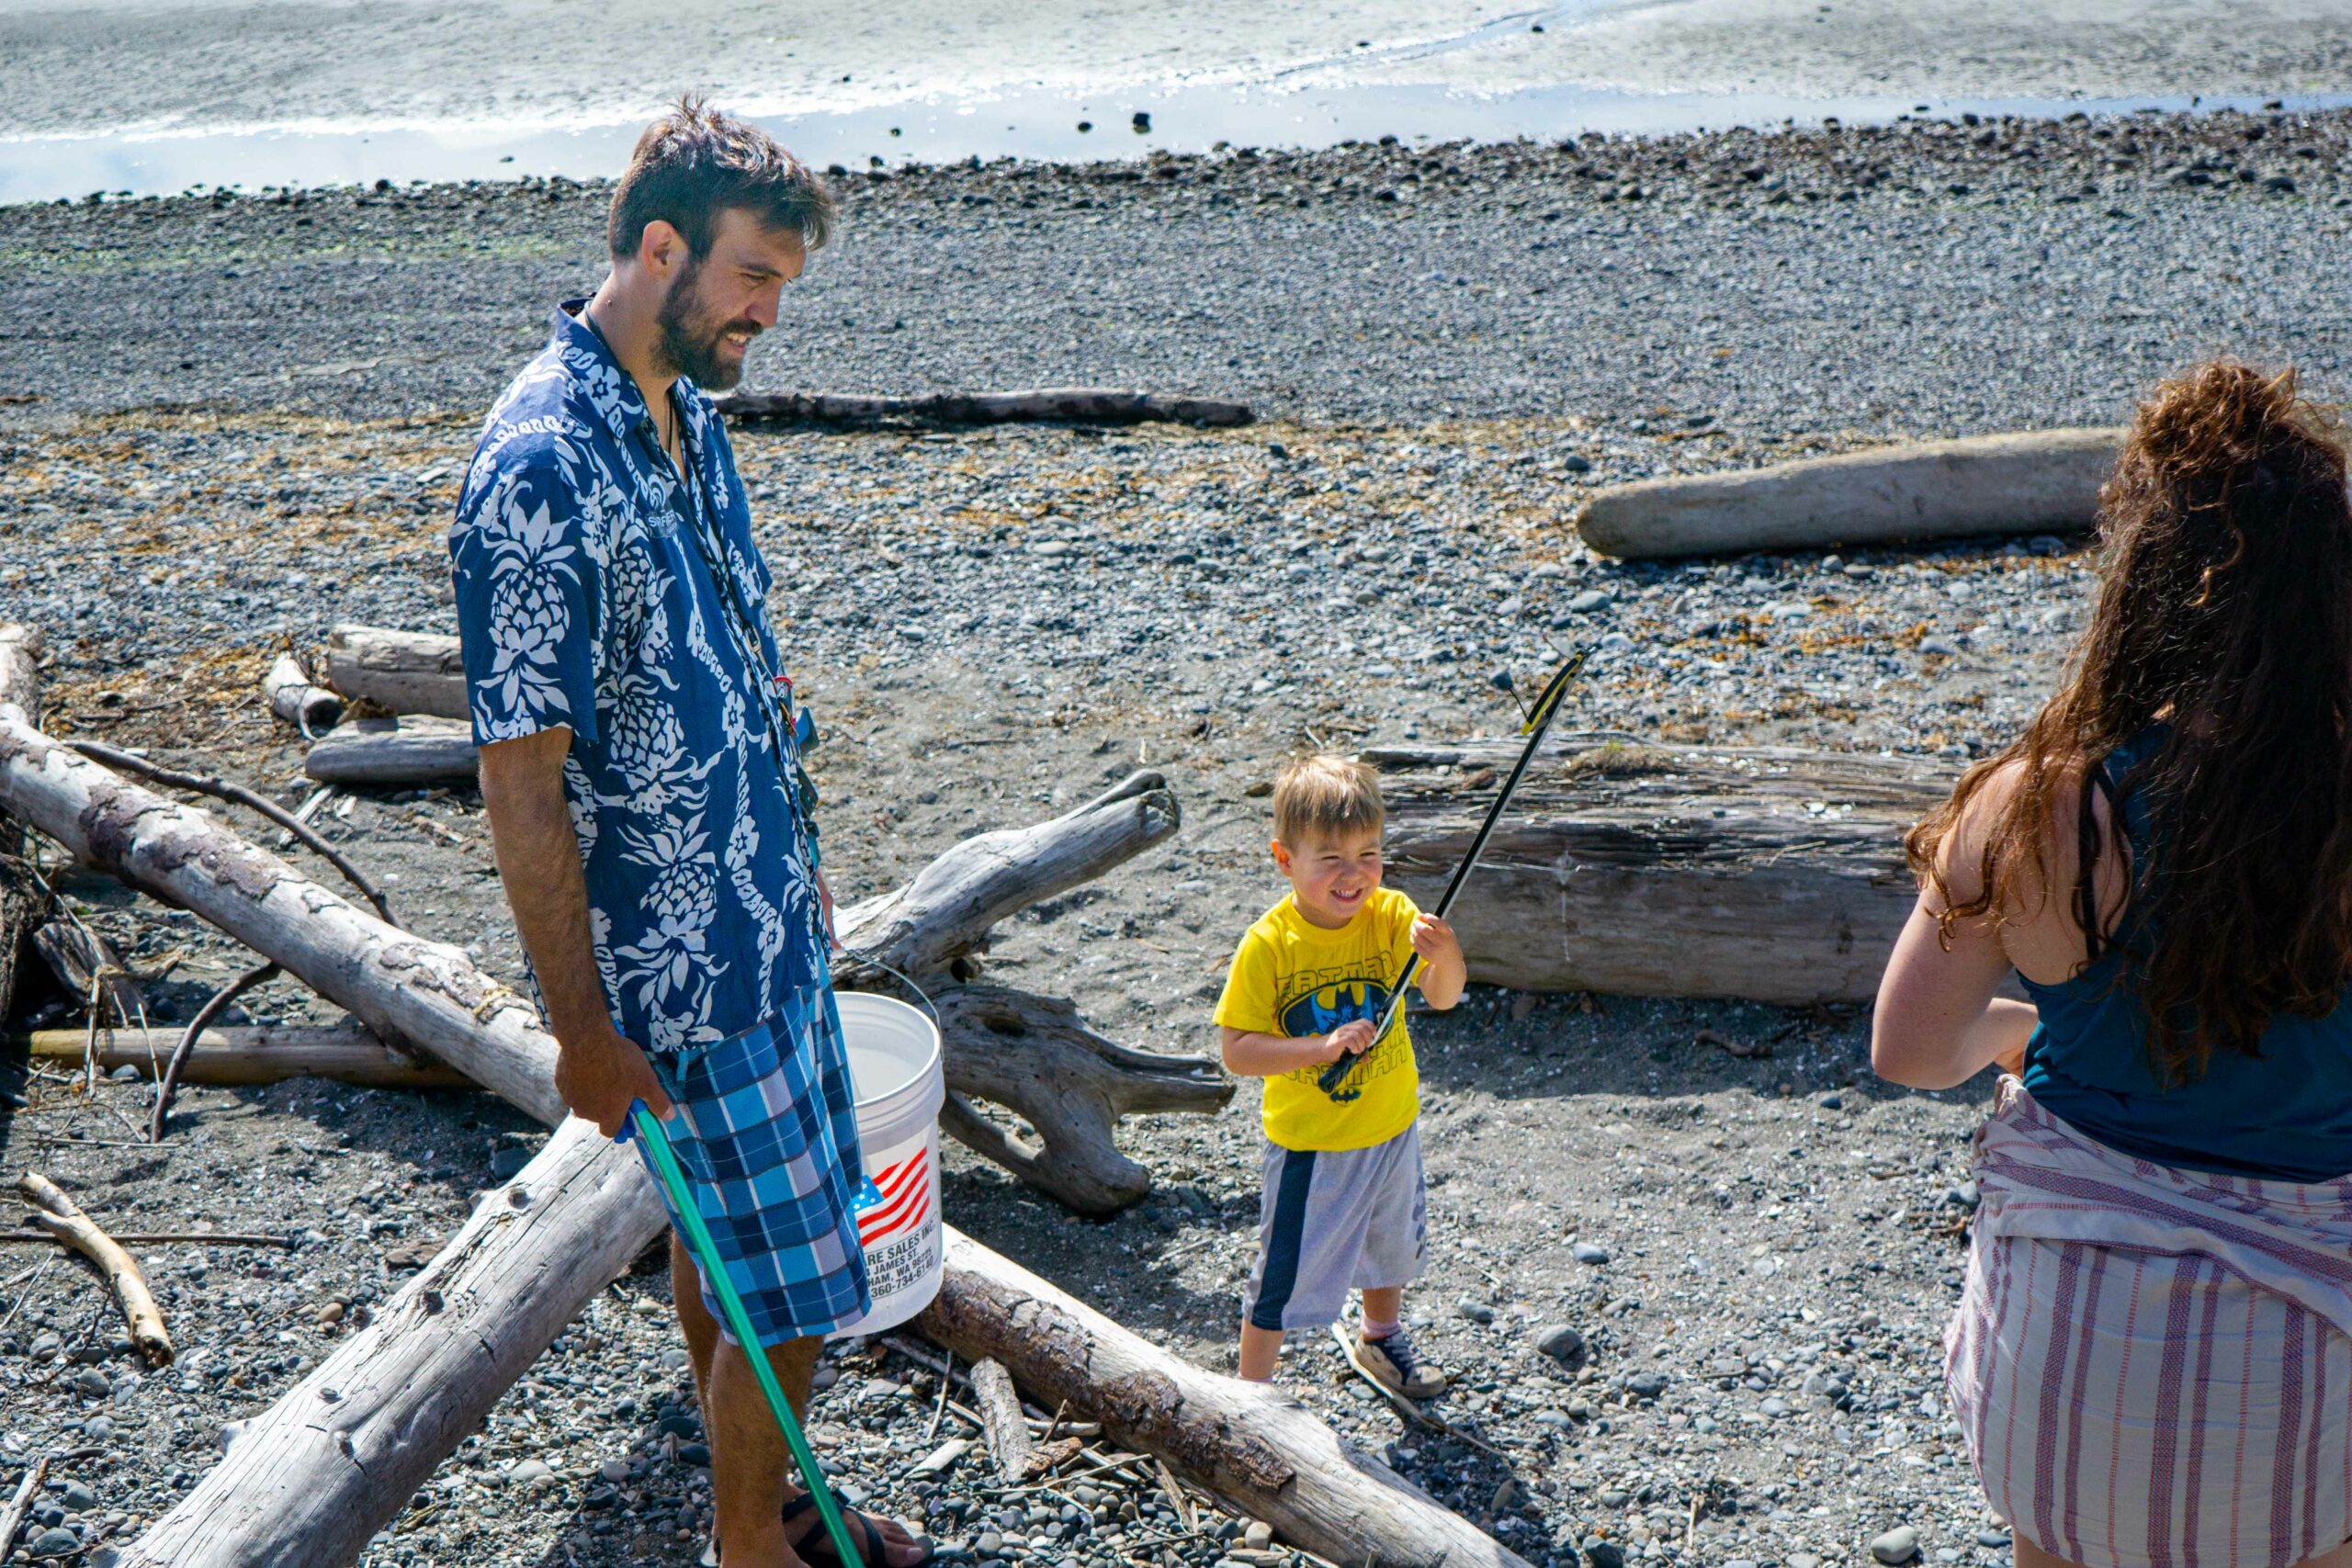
[695, 163]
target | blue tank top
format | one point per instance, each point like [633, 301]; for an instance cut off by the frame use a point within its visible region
[2285, 1116]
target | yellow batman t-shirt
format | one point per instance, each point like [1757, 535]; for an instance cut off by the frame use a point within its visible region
[1293, 978]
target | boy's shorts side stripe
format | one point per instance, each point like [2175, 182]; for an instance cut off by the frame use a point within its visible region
[1283, 1245]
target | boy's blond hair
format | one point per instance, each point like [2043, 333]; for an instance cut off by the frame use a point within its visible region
[1323, 796]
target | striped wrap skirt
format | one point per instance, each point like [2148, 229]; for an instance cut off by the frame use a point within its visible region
[2153, 1367]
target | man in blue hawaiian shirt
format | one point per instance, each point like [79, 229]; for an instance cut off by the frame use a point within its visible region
[640, 767]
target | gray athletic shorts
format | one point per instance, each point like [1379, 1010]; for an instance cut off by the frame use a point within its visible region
[1333, 1220]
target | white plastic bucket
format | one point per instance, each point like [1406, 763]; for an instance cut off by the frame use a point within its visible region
[894, 1065]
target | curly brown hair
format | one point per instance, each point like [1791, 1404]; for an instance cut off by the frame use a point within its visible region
[2224, 615]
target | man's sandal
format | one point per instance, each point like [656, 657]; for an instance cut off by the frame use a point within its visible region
[816, 1546]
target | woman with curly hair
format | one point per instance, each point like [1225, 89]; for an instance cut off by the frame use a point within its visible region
[2152, 1359]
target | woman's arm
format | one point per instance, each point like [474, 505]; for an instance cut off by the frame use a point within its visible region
[1938, 1022]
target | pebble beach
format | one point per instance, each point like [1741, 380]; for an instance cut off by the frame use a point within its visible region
[1692, 1298]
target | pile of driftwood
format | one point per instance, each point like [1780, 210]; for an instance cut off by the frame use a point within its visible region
[312, 1479]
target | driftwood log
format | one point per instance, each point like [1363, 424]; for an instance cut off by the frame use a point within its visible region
[420, 672]
[1066, 405]
[64, 1219]
[1776, 876]
[252, 1055]
[2044, 481]
[1245, 1442]
[24, 902]
[1007, 1429]
[390, 752]
[312, 709]
[1035, 1054]
[20, 650]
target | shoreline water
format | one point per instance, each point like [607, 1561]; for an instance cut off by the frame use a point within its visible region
[1032, 128]
[172, 93]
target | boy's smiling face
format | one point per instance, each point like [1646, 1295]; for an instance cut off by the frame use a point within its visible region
[1331, 875]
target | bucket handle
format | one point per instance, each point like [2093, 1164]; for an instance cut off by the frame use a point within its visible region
[903, 978]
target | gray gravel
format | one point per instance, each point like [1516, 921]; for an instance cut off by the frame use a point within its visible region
[1752, 1257]
[1891, 280]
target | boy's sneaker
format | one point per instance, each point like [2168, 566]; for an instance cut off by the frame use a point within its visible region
[1391, 1362]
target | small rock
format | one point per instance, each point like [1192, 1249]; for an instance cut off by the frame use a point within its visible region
[523, 1472]
[698, 1454]
[79, 1498]
[990, 1543]
[46, 1347]
[332, 1313]
[1645, 1386]
[1590, 599]
[1586, 1252]
[1476, 1311]
[1900, 1544]
[1604, 1553]
[613, 1470]
[1564, 1345]
[506, 1162]
[1259, 1536]
[97, 1429]
[1995, 1540]
[125, 1073]
[92, 1383]
[1833, 1102]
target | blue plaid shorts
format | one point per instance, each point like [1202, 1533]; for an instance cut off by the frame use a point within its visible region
[764, 1124]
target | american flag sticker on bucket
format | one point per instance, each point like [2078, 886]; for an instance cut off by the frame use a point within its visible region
[895, 1201]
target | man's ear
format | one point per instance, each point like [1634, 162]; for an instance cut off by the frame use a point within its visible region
[660, 249]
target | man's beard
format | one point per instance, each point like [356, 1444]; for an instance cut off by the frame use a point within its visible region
[691, 343]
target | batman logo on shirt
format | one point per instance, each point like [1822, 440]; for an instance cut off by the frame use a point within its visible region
[1326, 1009]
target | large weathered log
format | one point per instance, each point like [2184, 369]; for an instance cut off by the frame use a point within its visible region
[394, 752]
[2042, 481]
[1244, 1441]
[1775, 875]
[418, 673]
[254, 1055]
[1070, 405]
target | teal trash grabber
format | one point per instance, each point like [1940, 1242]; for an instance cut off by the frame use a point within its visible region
[738, 1322]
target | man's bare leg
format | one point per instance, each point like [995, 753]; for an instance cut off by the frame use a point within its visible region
[794, 1363]
[694, 1321]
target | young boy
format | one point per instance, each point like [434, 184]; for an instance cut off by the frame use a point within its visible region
[1343, 1205]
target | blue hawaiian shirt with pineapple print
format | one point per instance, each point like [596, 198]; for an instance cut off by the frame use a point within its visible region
[600, 589]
